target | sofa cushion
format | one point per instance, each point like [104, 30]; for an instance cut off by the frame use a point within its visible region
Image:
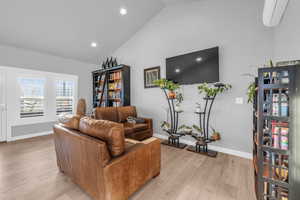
[110, 132]
[69, 121]
[126, 111]
[106, 113]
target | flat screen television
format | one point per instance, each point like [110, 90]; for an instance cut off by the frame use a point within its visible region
[197, 67]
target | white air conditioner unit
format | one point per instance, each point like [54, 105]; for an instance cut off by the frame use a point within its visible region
[273, 12]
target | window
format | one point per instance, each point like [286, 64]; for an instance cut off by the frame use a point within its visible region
[32, 97]
[64, 96]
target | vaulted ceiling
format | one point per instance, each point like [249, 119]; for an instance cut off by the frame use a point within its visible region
[67, 28]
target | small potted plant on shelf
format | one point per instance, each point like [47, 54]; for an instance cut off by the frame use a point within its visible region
[215, 135]
[211, 90]
[168, 85]
[165, 126]
[251, 92]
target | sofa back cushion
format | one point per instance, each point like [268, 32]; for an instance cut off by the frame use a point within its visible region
[126, 111]
[110, 132]
[106, 113]
[69, 121]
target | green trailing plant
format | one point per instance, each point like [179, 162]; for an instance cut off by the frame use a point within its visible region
[211, 90]
[165, 125]
[251, 92]
[166, 84]
[198, 129]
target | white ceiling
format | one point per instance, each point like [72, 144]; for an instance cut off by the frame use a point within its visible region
[67, 27]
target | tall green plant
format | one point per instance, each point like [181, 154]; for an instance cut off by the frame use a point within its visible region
[211, 90]
[166, 84]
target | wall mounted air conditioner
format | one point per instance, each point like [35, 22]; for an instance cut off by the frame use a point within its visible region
[273, 12]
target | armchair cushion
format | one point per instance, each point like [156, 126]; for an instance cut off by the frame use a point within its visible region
[106, 113]
[110, 132]
[126, 111]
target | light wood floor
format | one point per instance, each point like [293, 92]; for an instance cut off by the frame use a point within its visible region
[28, 171]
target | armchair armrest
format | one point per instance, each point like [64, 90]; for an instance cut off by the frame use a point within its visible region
[148, 121]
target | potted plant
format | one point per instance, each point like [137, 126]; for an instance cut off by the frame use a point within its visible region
[165, 126]
[251, 92]
[186, 129]
[168, 85]
[215, 135]
[213, 90]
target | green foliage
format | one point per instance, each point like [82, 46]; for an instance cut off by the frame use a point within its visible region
[198, 129]
[184, 127]
[211, 90]
[165, 84]
[251, 92]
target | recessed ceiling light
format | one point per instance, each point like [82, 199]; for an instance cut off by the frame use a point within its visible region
[123, 11]
[177, 70]
[199, 59]
[94, 44]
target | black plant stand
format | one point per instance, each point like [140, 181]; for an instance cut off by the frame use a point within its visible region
[174, 136]
[202, 141]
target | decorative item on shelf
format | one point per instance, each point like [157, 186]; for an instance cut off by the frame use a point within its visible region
[109, 63]
[150, 76]
[174, 98]
[210, 91]
[287, 63]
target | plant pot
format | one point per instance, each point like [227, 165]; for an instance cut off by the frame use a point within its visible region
[171, 95]
[216, 136]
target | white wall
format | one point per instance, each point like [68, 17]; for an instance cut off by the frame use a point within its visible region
[16, 57]
[233, 25]
[20, 58]
[287, 40]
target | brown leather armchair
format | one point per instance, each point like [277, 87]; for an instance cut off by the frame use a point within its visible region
[138, 131]
[97, 157]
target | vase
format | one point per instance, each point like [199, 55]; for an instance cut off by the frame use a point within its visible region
[172, 95]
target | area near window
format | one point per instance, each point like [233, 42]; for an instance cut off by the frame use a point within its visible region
[32, 97]
[64, 96]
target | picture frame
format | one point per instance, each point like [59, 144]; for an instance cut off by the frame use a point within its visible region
[150, 75]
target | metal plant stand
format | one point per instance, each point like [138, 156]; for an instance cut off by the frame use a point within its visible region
[174, 136]
[202, 141]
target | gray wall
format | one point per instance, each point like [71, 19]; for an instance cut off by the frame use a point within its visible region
[287, 34]
[16, 57]
[233, 25]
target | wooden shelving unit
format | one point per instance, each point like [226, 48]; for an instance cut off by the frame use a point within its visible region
[112, 85]
[276, 163]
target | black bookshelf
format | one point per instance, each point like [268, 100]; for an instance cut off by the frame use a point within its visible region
[277, 150]
[112, 85]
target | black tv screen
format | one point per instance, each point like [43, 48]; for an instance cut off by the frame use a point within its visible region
[197, 67]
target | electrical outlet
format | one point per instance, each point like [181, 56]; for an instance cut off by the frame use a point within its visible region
[239, 100]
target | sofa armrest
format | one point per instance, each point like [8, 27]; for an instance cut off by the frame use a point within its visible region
[149, 122]
[126, 174]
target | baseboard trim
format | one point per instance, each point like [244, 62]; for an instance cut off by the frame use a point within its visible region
[212, 147]
[22, 137]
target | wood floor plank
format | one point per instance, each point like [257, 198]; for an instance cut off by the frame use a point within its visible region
[28, 171]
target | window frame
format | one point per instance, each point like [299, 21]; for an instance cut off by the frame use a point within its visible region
[75, 90]
[44, 94]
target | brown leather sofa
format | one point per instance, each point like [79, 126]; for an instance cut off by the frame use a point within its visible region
[97, 157]
[138, 131]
